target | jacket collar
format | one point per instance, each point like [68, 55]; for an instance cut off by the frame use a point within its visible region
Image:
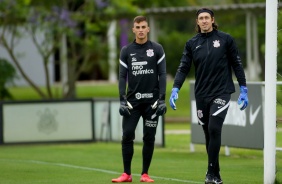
[208, 34]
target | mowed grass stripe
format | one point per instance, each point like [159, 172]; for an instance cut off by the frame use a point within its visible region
[91, 169]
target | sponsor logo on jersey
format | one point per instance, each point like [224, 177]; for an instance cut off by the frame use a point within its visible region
[142, 72]
[133, 59]
[138, 68]
[149, 123]
[140, 63]
[216, 43]
[219, 101]
[150, 52]
[144, 95]
[133, 54]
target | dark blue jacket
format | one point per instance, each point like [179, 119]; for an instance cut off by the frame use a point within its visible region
[214, 55]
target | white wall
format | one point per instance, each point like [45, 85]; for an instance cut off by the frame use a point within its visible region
[30, 60]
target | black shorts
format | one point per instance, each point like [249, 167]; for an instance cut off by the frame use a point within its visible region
[215, 106]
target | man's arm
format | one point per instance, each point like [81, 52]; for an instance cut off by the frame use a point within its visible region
[123, 69]
[182, 72]
[161, 68]
[183, 68]
[162, 73]
[125, 106]
[236, 62]
[239, 73]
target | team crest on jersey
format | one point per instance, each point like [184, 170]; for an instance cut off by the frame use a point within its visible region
[216, 43]
[150, 52]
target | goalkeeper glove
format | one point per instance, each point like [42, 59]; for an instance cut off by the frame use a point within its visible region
[243, 98]
[161, 107]
[173, 98]
[125, 106]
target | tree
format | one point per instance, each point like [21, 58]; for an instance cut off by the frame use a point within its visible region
[83, 24]
[8, 73]
[18, 18]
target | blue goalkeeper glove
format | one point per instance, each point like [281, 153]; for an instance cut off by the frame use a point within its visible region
[173, 98]
[243, 98]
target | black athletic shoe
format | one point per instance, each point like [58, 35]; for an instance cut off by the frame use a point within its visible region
[209, 179]
[217, 180]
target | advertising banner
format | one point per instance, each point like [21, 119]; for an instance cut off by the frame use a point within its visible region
[47, 121]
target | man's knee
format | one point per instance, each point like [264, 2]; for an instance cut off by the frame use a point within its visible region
[128, 137]
[149, 139]
[215, 125]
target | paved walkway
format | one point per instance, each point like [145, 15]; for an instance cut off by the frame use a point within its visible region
[177, 131]
[189, 131]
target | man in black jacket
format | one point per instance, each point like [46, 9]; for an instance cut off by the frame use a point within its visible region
[143, 66]
[214, 55]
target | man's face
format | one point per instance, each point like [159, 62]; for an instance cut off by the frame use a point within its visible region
[205, 22]
[141, 30]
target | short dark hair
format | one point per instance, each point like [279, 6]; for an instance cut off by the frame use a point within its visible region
[214, 25]
[139, 19]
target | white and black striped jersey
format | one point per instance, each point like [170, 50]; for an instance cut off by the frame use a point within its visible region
[214, 55]
[143, 66]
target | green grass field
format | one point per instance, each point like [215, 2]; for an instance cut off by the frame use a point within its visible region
[73, 163]
[99, 162]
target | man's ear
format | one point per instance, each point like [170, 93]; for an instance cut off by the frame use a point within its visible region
[213, 20]
[197, 21]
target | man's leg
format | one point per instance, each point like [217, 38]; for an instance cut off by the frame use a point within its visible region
[207, 136]
[150, 124]
[215, 127]
[218, 110]
[128, 126]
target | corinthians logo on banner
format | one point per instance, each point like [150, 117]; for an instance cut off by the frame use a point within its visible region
[47, 122]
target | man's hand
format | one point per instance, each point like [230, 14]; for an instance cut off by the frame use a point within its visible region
[124, 107]
[173, 98]
[243, 98]
[161, 110]
[161, 107]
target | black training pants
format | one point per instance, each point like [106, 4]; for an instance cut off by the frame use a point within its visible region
[211, 113]
[129, 124]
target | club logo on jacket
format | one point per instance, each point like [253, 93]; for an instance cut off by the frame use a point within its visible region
[150, 52]
[200, 114]
[216, 43]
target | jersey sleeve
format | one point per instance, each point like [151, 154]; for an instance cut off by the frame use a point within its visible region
[184, 66]
[123, 70]
[162, 72]
[235, 60]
